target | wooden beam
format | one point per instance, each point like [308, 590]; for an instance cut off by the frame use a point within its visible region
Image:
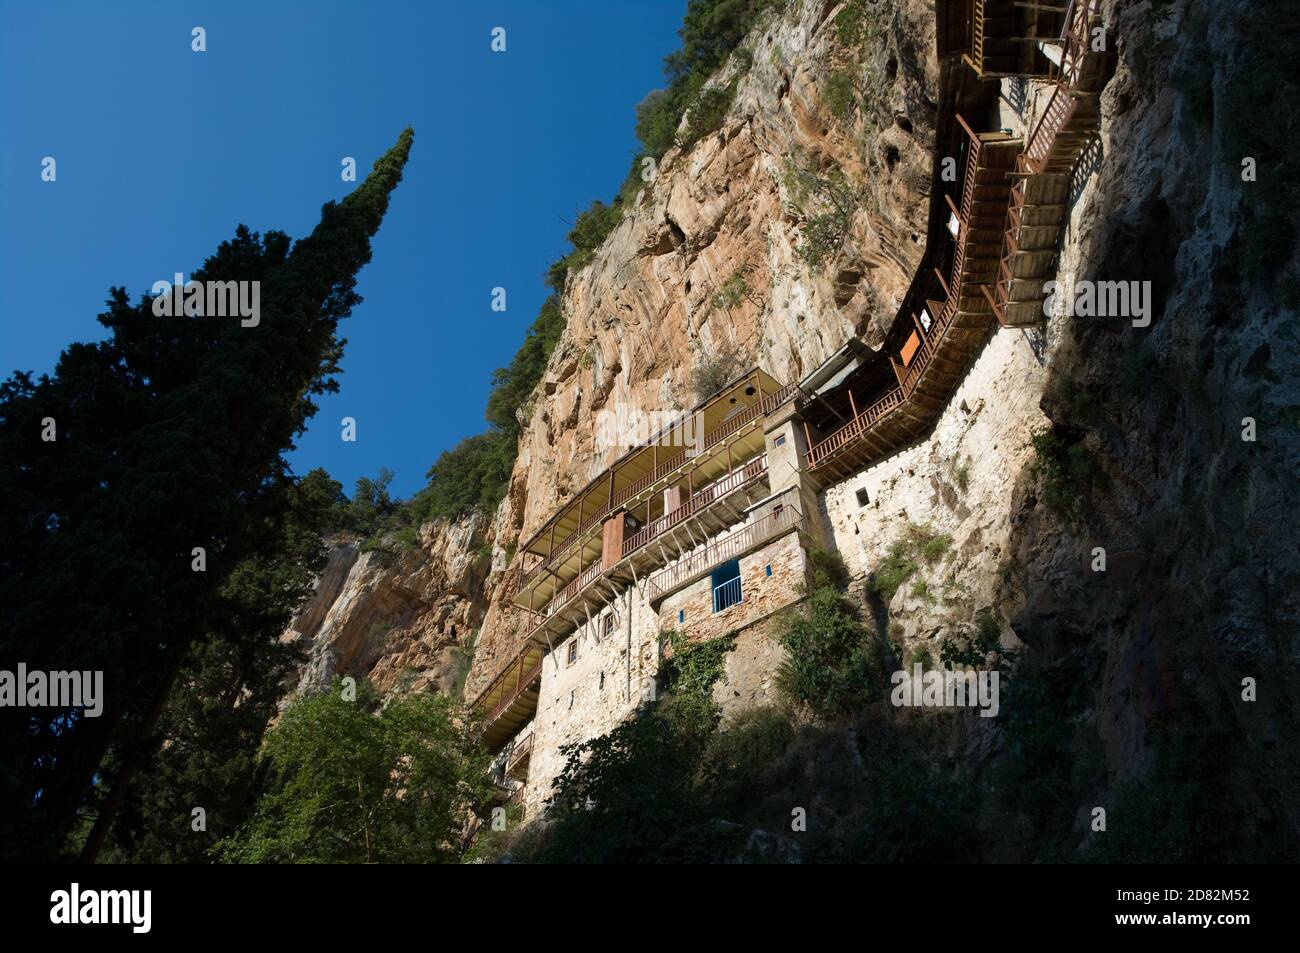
[946, 290]
[898, 375]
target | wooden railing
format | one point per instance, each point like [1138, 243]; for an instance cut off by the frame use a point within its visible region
[737, 542]
[714, 491]
[712, 438]
[854, 428]
[967, 199]
[1054, 117]
[564, 545]
[518, 751]
[508, 698]
[931, 340]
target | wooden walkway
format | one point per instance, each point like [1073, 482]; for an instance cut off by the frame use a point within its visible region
[1002, 233]
[1040, 197]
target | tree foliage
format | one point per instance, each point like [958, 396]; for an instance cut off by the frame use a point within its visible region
[352, 784]
[170, 437]
[227, 692]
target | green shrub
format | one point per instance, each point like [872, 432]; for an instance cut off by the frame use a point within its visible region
[919, 543]
[716, 369]
[635, 795]
[831, 665]
[1066, 471]
[349, 781]
[826, 202]
[932, 550]
[839, 95]
[733, 291]
[706, 113]
[491, 845]
[974, 650]
[899, 563]
[1184, 810]
[962, 474]
[827, 569]
[471, 476]
[852, 24]
[736, 757]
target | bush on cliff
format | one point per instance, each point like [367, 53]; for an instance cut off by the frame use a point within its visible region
[349, 782]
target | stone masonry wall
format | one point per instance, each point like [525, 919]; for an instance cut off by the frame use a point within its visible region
[589, 696]
[690, 610]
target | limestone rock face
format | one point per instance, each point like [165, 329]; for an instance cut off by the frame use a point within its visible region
[645, 312]
[1199, 586]
[395, 619]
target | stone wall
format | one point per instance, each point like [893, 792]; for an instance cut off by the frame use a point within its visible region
[690, 610]
[590, 693]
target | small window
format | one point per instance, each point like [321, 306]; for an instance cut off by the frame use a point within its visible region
[681, 616]
[863, 499]
[777, 510]
[572, 695]
[609, 624]
[602, 681]
[726, 585]
[573, 651]
[768, 569]
[779, 441]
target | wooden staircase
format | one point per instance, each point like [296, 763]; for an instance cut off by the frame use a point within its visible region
[1038, 204]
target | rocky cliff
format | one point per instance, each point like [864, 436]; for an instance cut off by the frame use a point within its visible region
[1105, 435]
[653, 304]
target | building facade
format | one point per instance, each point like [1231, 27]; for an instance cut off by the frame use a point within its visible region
[705, 528]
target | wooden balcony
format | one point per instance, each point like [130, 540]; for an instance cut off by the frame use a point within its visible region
[710, 494]
[1006, 37]
[932, 360]
[736, 438]
[517, 760]
[510, 699]
[708, 512]
[565, 544]
[738, 542]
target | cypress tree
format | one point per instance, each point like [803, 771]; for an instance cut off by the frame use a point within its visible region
[170, 436]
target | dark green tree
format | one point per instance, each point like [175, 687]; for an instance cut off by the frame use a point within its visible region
[170, 438]
[349, 784]
[212, 726]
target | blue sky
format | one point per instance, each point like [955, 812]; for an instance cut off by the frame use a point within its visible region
[162, 151]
